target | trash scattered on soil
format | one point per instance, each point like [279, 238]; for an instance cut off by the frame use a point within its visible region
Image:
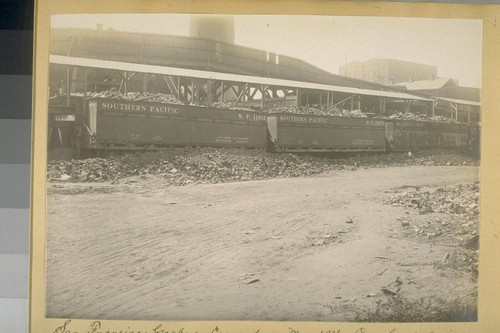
[460, 204]
[451, 216]
[248, 278]
[210, 165]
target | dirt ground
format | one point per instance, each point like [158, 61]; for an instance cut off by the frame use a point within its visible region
[317, 248]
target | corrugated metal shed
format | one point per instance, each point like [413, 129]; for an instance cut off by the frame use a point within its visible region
[426, 84]
[459, 101]
[133, 67]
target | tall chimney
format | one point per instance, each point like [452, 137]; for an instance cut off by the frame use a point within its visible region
[219, 28]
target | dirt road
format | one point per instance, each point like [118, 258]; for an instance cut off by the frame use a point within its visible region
[313, 248]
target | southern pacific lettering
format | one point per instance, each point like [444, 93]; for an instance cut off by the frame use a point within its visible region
[128, 107]
[299, 119]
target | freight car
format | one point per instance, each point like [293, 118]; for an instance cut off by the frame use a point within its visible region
[305, 133]
[128, 125]
[114, 124]
[411, 135]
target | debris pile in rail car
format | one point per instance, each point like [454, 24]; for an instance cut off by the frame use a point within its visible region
[134, 96]
[315, 110]
[418, 117]
[229, 106]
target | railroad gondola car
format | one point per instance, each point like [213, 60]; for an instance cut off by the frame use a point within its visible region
[310, 133]
[129, 125]
[412, 135]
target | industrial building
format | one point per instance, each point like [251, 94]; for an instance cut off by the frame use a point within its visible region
[388, 71]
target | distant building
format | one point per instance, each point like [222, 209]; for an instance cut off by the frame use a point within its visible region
[442, 87]
[387, 71]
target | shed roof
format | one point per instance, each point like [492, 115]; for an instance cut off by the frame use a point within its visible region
[427, 84]
[174, 71]
[459, 101]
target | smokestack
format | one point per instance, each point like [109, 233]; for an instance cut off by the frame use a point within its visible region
[219, 28]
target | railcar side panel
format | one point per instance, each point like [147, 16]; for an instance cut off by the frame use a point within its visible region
[416, 135]
[297, 133]
[117, 124]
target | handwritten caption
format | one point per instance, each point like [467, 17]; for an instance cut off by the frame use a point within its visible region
[98, 327]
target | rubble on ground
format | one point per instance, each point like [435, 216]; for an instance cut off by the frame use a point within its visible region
[188, 166]
[451, 212]
[461, 200]
[210, 165]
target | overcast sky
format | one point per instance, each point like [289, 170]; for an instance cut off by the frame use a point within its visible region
[453, 46]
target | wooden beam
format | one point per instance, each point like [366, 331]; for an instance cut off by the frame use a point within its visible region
[263, 94]
[68, 86]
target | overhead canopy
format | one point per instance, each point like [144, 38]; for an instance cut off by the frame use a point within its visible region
[459, 101]
[192, 73]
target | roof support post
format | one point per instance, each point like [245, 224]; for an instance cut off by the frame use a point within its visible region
[178, 87]
[243, 91]
[222, 91]
[171, 86]
[192, 92]
[209, 91]
[454, 108]
[68, 86]
[263, 97]
[85, 83]
[342, 101]
[327, 99]
[454, 111]
[434, 104]
[468, 116]
[383, 102]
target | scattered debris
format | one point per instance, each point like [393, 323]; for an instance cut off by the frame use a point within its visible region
[210, 165]
[472, 243]
[460, 203]
[398, 281]
[390, 291]
[379, 274]
[405, 223]
[248, 278]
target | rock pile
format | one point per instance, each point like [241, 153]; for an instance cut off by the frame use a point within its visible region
[208, 165]
[460, 204]
[135, 96]
[461, 200]
[188, 167]
[418, 117]
[315, 110]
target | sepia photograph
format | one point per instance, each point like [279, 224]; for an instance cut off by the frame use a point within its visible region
[263, 168]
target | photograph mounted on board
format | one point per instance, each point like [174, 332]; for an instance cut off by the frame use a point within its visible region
[263, 168]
